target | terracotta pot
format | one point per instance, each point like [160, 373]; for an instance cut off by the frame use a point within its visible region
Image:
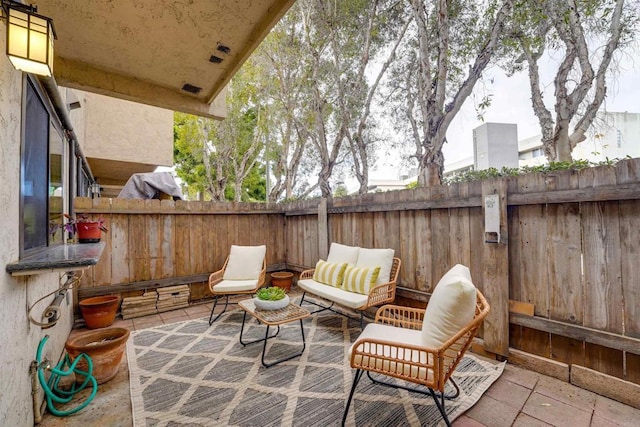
[99, 312]
[105, 347]
[88, 232]
[282, 279]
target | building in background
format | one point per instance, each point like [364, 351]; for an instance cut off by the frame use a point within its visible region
[495, 145]
[613, 136]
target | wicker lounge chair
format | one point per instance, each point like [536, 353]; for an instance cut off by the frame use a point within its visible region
[243, 272]
[396, 346]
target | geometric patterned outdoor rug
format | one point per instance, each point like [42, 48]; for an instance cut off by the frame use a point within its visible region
[193, 374]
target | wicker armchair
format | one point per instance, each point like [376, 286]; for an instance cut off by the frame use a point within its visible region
[408, 360]
[379, 294]
[224, 282]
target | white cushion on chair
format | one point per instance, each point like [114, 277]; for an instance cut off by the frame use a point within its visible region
[382, 258]
[229, 286]
[343, 253]
[451, 307]
[245, 262]
[399, 337]
[339, 296]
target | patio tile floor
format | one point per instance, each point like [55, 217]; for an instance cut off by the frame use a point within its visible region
[518, 398]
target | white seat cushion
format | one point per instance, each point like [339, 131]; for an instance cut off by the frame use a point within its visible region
[229, 286]
[339, 296]
[400, 337]
[451, 307]
[382, 258]
[245, 262]
[343, 253]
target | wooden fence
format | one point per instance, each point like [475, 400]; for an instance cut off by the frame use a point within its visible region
[568, 250]
[154, 243]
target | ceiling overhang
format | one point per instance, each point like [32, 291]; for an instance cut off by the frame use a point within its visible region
[147, 50]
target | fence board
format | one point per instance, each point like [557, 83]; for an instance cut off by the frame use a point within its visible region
[440, 244]
[309, 240]
[139, 265]
[196, 244]
[423, 280]
[120, 248]
[407, 249]
[534, 284]
[101, 274]
[161, 245]
[601, 235]
[630, 267]
[496, 277]
[460, 237]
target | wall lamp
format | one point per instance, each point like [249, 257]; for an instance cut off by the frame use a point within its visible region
[29, 38]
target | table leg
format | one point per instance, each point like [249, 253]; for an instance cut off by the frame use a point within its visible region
[244, 317]
[264, 349]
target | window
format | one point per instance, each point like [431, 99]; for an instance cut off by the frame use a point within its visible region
[42, 189]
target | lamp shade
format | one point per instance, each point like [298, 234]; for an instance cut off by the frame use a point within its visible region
[29, 40]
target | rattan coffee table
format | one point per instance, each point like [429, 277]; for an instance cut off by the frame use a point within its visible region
[269, 318]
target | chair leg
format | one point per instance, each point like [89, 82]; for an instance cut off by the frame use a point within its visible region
[226, 303]
[302, 299]
[356, 378]
[440, 405]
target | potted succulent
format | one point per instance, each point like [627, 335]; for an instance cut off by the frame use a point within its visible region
[89, 230]
[271, 298]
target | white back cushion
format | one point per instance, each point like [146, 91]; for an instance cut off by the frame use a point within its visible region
[343, 253]
[245, 262]
[382, 258]
[451, 307]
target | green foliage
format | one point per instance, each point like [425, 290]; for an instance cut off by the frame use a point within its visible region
[575, 165]
[412, 185]
[271, 293]
[220, 158]
[340, 191]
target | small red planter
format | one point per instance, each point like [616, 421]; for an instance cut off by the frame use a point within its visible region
[89, 232]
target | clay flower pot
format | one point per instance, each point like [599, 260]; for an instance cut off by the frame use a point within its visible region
[99, 312]
[89, 232]
[105, 347]
[282, 279]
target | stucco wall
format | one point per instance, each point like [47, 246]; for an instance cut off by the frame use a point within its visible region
[18, 338]
[123, 130]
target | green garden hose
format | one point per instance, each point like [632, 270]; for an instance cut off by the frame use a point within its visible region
[50, 387]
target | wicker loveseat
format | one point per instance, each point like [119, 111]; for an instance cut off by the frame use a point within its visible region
[354, 277]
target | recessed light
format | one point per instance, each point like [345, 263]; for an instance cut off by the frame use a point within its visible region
[215, 59]
[191, 88]
[224, 49]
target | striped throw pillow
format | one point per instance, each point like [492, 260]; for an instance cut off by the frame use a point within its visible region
[360, 280]
[329, 273]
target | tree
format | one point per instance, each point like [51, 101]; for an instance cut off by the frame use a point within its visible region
[576, 29]
[323, 86]
[448, 48]
[218, 157]
[278, 60]
[195, 157]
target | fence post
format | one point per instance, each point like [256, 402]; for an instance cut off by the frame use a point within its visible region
[323, 229]
[495, 260]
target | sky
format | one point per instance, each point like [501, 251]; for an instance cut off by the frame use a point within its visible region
[511, 103]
